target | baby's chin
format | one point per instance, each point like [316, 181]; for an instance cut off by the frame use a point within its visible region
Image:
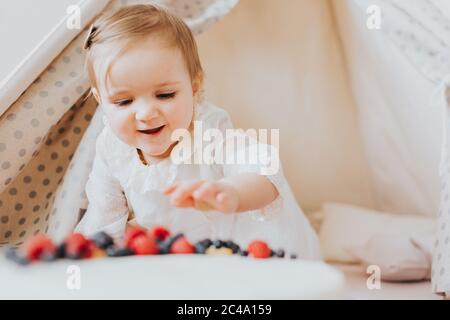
[160, 151]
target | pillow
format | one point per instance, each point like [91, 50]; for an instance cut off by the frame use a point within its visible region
[397, 256]
[347, 226]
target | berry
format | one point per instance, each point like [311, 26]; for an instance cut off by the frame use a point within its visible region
[233, 246]
[259, 249]
[200, 248]
[218, 244]
[206, 243]
[182, 246]
[78, 247]
[280, 253]
[165, 245]
[61, 250]
[38, 245]
[11, 254]
[132, 233]
[143, 245]
[159, 233]
[102, 240]
[119, 252]
[243, 253]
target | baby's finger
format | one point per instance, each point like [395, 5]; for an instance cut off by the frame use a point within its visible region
[205, 192]
[183, 192]
[224, 202]
[170, 188]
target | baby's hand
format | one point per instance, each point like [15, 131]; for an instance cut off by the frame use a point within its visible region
[204, 195]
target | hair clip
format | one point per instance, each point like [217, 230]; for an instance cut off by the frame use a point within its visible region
[88, 42]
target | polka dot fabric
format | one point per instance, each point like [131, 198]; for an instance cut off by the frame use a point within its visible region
[27, 202]
[43, 172]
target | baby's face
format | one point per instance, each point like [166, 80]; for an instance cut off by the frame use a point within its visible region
[149, 95]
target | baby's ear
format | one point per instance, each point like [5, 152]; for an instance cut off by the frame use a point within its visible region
[197, 84]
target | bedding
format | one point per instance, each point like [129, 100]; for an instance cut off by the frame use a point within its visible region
[346, 226]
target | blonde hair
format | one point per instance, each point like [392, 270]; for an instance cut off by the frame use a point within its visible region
[136, 22]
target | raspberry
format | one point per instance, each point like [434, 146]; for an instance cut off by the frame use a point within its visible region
[78, 247]
[259, 249]
[131, 234]
[143, 245]
[159, 233]
[182, 246]
[38, 246]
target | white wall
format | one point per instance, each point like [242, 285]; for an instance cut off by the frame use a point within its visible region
[23, 24]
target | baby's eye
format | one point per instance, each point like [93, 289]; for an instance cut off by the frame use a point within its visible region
[166, 95]
[124, 102]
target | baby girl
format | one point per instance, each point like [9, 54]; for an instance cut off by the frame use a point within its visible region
[146, 75]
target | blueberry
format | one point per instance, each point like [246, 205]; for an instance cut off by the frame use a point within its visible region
[200, 248]
[206, 243]
[102, 240]
[61, 251]
[280, 253]
[231, 245]
[165, 246]
[243, 253]
[293, 256]
[11, 254]
[119, 252]
[218, 244]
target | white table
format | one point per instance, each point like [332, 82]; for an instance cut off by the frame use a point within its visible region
[171, 277]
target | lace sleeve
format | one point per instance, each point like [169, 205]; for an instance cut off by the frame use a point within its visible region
[107, 210]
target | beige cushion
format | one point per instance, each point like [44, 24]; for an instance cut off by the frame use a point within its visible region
[346, 226]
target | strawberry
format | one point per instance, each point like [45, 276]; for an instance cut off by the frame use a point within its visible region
[159, 233]
[131, 234]
[182, 246]
[143, 245]
[78, 247]
[259, 249]
[38, 246]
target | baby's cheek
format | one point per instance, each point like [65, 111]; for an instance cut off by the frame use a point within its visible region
[180, 116]
[123, 126]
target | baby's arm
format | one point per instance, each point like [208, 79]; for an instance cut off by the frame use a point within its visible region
[239, 193]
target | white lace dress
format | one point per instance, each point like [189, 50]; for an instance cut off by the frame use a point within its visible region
[121, 186]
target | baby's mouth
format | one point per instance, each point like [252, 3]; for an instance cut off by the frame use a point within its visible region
[152, 131]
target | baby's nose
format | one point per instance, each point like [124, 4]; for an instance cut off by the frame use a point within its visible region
[146, 113]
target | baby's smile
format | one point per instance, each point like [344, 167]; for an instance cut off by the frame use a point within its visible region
[152, 132]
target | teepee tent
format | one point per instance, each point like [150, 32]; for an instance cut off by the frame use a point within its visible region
[373, 139]
[49, 124]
